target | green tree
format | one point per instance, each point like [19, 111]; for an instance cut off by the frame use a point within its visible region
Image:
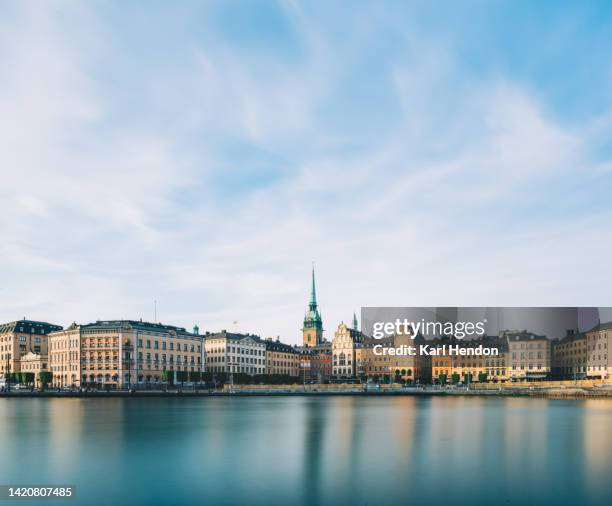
[45, 377]
[442, 379]
[455, 378]
[482, 377]
[195, 376]
[168, 376]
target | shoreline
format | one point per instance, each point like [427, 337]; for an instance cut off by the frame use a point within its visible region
[565, 393]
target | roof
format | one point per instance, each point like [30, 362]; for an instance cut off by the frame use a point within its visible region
[324, 347]
[137, 325]
[29, 327]
[522, 335]
[232, 336]
[279, 347]
[570, 337]
[602, 326]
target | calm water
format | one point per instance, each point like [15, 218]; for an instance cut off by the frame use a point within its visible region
[310, 450]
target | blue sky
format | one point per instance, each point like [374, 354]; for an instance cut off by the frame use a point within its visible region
[205, 153]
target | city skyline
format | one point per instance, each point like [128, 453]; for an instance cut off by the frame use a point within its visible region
[203, 155]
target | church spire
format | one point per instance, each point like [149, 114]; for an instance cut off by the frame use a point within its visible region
[313, 324]
[313, 292]
[355, 323]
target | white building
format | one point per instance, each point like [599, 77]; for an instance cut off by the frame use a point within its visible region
[239, 353]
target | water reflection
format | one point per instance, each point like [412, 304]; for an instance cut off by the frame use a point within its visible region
[312, 450]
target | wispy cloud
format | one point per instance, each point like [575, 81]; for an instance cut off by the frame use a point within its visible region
[208, 171]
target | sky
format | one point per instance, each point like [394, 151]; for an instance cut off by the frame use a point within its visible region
[205, 154]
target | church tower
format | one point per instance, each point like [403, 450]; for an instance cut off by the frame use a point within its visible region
[313, 325]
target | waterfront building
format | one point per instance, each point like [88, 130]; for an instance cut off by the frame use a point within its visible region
[19, 338]
[315, 363]
[281, 358]
[34, 363]
[228, 352]
[376, 365]
[599, 343]
[121, 353]
[447, 368]
[529, 355]
[312, 330]
[569, 356]
[344, 348]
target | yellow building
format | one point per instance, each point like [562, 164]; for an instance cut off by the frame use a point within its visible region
[569, 356]
[456, 367]
[122, 353]
[371, 363]
[19, 338]
[281, 358]
[529, 355]
[599, 342]
[35, 364]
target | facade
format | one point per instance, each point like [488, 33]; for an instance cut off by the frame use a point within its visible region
[19, 338]
[598, 343]
[344, 351]
[34, 363]
[312, 330]
[316, 363]
[409, 368]
[281, 358]
[569, 356]
[122, 353]
[529, 355]
[228, 352]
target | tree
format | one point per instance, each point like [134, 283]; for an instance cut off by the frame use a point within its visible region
[195, 376]
[45, 377]
[455, 378]
[168, 376]
[482, 377]
[442, 379]
[467, 378]
[29, 378]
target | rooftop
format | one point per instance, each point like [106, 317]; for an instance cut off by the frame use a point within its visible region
[28, 327]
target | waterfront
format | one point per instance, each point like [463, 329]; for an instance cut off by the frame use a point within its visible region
[311, 450]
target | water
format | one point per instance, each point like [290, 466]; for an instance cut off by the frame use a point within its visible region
[312, 450]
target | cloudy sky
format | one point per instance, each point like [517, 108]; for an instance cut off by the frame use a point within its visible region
[204, 154]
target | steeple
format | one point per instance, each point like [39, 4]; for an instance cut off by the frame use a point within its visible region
[355, 323]
[313, 324]
[313, 293]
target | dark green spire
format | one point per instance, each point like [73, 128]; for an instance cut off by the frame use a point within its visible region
[312, 319]
[313, 293]
[355, 323]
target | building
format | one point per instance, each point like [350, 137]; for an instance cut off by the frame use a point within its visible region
[598, 343]
[312, 331]
[377, 366]
[122, 353]
[569, 356]
[282, 358]
[529, 355]
[228, 352]
[35, 363]
[316, 363]
[19, 338]
[344, 351]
